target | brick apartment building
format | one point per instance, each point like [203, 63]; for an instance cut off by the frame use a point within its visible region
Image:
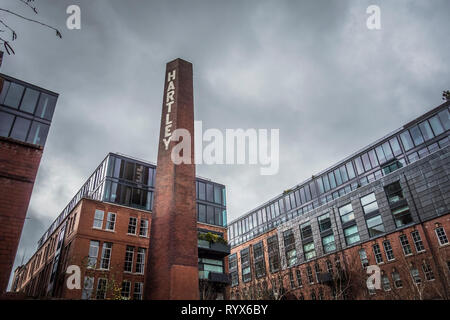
[387, 205]
[26, 113]
[105, 230]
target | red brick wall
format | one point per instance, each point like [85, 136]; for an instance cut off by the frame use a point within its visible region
[435, 255]
[19, 163]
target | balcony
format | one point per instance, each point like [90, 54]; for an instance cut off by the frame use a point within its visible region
[216, 277]
[217, 249]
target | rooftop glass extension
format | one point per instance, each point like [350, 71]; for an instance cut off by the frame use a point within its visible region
[26, 111]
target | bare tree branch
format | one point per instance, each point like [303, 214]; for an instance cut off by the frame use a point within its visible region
[58, 34]
[27, 3]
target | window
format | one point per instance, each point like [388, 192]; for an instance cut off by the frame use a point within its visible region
[132, 225]
[138, 289]
[201, 212]
[442, 237]
[392, 167]
[324, 222]
[106, 255]
[126, 288]
[436, 125]
[375, 226]
[309, 275]
[46, 106]
[328, 244]
[101, 289]
[406, 140]
[129, 254]
[291, 279]
[289, 244]
[245, 265]
[111, 221]
[299, 277]
[98, 219]
[405, 245]
[232, 261]
[444, 116]
[386, 283]
[388, 250]
[29, 100]
[305, 230]
[234, 278]
[201, 191]
[397, 280]
[14, 95]
[88, 287]
[377, 253]
[143, 231]
[415, 275]
[309, 250]
[317, 271]
[429, 275]
[398, 204]
[273, 251]
[6, 122]
[217, 194]
[351, 235]
[20, 129]
[93, 254]
[369, 203]
[346, 213]
[363, 258]
[140, 261]
[417, 241]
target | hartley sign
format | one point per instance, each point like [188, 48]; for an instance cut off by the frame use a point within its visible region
[170, 100]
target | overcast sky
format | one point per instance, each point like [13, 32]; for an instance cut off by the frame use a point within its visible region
[309, 68]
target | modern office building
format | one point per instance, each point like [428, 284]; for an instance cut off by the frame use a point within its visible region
[105, 231]
[26, 113]
[386, 205]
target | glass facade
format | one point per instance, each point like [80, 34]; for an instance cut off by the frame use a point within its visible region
[26, 111]
[130, 182]
[395, 151]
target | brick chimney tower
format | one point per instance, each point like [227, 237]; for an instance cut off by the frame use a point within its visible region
[172, 268]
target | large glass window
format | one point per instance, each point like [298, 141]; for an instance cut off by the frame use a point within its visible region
[436, 125]
[444, 116]
[406, 140]
[416, 135]
[328, 244]
[395, 146]
[324, 222]
[201, 191]
[29, 100]
[6, 121]
[369, 203]
[309, 251]
[351, 235]
[305, 230]
[375, 226]
[359, 165]
[20, 129]
[346, 213]
[46, 106]
[14, 95]
[38, 133]
[425, 128]
[401, 213]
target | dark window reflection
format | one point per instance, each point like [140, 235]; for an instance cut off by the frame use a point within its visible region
[46, 106]
[38, 133]
[29, 100]
[6, 121]
[20, 128]
[14, 95]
